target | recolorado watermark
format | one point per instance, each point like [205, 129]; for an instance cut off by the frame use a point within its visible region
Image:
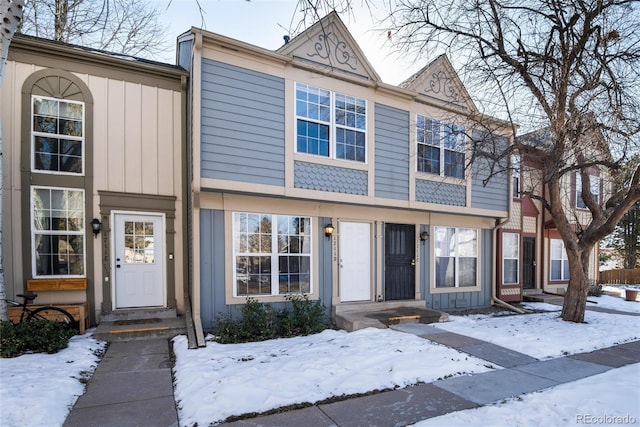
[606, 419]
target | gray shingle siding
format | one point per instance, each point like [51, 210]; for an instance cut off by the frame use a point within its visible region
[392, 153]
[441, 193]
[312, 176]
[242, 125]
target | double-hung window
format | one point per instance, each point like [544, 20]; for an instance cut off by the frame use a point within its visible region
[594, 185]
[57, 136]
[559, 260]
[510, 257]
[57, 230]
[456, 257]
[441, 147]
[272, 254]
[330, 124]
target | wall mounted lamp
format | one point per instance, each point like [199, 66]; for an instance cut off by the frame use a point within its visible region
[95, 227]
[328, 230]
[424, 235]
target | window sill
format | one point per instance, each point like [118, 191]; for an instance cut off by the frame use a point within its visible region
[454, 290]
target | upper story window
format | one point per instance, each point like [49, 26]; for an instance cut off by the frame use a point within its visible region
[441, 147]
[456, 257]
[515, 175]
[57, 230]
[594, 184]
[272, 254]
[57, 129]
[330, 124]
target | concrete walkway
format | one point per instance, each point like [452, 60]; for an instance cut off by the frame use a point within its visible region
[132, 386]
[522, 374]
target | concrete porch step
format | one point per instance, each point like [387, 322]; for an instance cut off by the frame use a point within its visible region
[542, 297]
[382, 315]
[139, 313]
[140, 329]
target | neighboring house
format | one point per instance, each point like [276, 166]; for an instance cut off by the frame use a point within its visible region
[93, 139]
[531, 254]
[310, 175]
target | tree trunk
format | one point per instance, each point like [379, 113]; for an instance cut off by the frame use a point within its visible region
[575, 300]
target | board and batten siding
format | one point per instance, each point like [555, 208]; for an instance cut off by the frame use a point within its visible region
[391, 153]
[242, 130]
[462, 300]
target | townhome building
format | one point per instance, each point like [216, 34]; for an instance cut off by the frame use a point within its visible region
[311, 175]
[532, 259]
[94, 146]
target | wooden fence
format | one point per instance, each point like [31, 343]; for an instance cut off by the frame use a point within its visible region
[622, 276]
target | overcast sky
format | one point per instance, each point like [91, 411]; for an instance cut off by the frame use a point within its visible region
[265, 22]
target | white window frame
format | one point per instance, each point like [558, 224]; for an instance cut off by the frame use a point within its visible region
[456, 253]
[446, 143]
[332, 123]
[594, 184]
[57, 136]
[558, 253]
[274, 253]
[35, 232]
[510, 252]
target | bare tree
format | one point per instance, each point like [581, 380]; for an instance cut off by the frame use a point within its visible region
[120, 26]
[626, 236]
[570, 67]
[11, 13]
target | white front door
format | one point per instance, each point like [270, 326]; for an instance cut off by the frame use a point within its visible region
[355, 261]
[139, 260]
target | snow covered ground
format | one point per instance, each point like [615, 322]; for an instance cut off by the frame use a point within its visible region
[221, 380]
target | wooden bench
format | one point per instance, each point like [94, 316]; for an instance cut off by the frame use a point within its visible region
[79, 311]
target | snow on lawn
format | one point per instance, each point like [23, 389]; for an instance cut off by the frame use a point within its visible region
[221, 380]
[546, 335]
[40, 389]
[610, 398]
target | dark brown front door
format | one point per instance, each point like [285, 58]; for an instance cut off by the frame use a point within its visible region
[399, 262]
[529, 262]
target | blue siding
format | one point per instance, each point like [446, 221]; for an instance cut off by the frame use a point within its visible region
[242, 126]
[313, 176]
[495, 194]
[392, 153]
[461, 300]
[441, 193]
[212, 269]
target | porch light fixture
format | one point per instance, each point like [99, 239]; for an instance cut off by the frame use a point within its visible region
[424, 235]
[328, 230]
[95, 227]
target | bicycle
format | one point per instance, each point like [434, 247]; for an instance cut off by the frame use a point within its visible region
[49, 312]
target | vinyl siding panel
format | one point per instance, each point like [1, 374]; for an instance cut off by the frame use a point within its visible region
[493, 195]
[242, 126]
[392, 153]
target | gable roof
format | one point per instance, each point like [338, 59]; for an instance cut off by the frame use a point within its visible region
[328, 44]
[439, 80]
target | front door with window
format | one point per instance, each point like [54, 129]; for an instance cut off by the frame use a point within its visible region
[399, 262]
[139, 260]
[529, 262]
